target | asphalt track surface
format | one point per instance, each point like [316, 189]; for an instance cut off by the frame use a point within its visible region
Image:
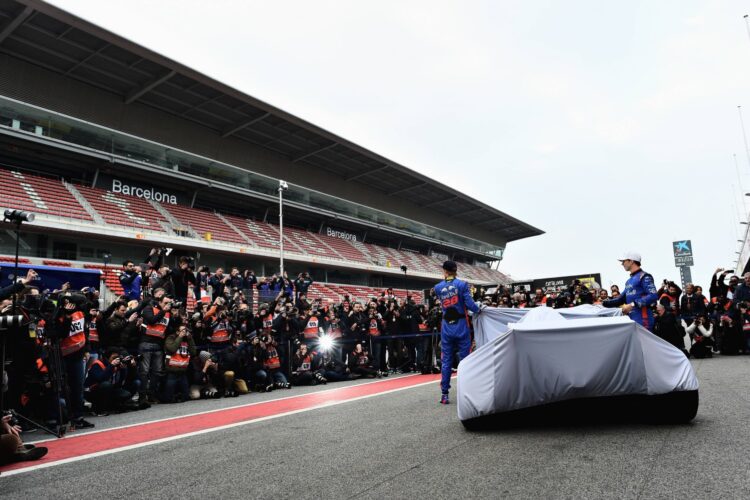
[403, 444]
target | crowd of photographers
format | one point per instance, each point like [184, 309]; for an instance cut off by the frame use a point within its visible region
[244, 334]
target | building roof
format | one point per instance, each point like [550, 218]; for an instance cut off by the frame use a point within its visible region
[47, 36]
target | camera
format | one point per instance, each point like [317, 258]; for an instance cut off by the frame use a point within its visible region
[190, 262]
[13, 420]
[18, 216]
[176, 304]
[11, 321]
[283, 186]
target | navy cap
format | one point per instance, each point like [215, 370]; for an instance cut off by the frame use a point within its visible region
[450, 266]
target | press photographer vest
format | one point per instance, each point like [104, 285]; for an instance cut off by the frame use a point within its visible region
[306, 364]
[373, 329]
[100, 364]
[76, 338]
[220, 332]
[181, 358]
[267, 323]
[311, 330]
[273, 361]
[423, 327]
[159, 329]
[93, 332]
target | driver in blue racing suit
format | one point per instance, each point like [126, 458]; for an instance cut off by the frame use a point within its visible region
[455, 299]
[639, 294]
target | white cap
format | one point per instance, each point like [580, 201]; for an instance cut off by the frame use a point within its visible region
[631, 256]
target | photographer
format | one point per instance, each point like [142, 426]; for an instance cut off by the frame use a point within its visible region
[286, 328]
[302, 368]
[130, 280]
[719, 287]
[157, 325]
[360, 362]
[220, 327]
[424, 361]
[121, 328]
[95, 321]
[163, 280]
[334, 329]
[249, 282]
[12, 448]
[302, 284]
[669, 296]
[312, 330]
[179, 348]
[18, 286]
[275, 363]
[256, 356]
[201, 280]
[182, 277]
[731, 331]
[356, 323]
[69, 325]
[218, 283]
[701, 334]
[106, 383]
[691, 304]
[331, 367]
[202, 377]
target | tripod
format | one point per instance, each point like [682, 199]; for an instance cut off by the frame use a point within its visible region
[17, 217]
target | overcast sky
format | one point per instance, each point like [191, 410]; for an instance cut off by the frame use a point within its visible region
[609, 125]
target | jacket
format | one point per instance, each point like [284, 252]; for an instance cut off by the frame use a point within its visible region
[640, 291]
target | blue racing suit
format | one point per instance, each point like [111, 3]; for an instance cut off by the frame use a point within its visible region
[455, 299]
[640, 290]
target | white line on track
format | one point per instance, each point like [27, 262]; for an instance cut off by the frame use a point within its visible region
[206, 431]
[214, 410]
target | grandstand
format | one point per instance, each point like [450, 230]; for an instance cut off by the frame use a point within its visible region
[118, 149]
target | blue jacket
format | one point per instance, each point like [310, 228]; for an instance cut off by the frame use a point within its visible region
[640, 290]
[131, 284]
[455, 299]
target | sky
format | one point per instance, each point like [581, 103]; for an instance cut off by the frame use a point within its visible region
[612, 126]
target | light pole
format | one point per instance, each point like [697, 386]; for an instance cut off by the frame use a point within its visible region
[283, 186]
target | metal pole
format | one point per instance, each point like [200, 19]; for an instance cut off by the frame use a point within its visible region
[744, 136]
[281, 232]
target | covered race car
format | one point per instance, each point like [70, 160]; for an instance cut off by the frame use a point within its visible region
[502, 316]
[546, 367]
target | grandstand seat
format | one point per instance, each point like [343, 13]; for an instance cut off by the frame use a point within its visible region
[111, 277]
[203, 221]
[127, 211]
[308, 243]
[345, 249]
[21, 260]
[39, 194]
[260, 233]
[56, 263]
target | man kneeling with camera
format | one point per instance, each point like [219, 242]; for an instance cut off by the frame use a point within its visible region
[107, 383]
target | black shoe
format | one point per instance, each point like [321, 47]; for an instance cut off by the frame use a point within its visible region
[82, 424]
[269, 387]
[34, 453]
